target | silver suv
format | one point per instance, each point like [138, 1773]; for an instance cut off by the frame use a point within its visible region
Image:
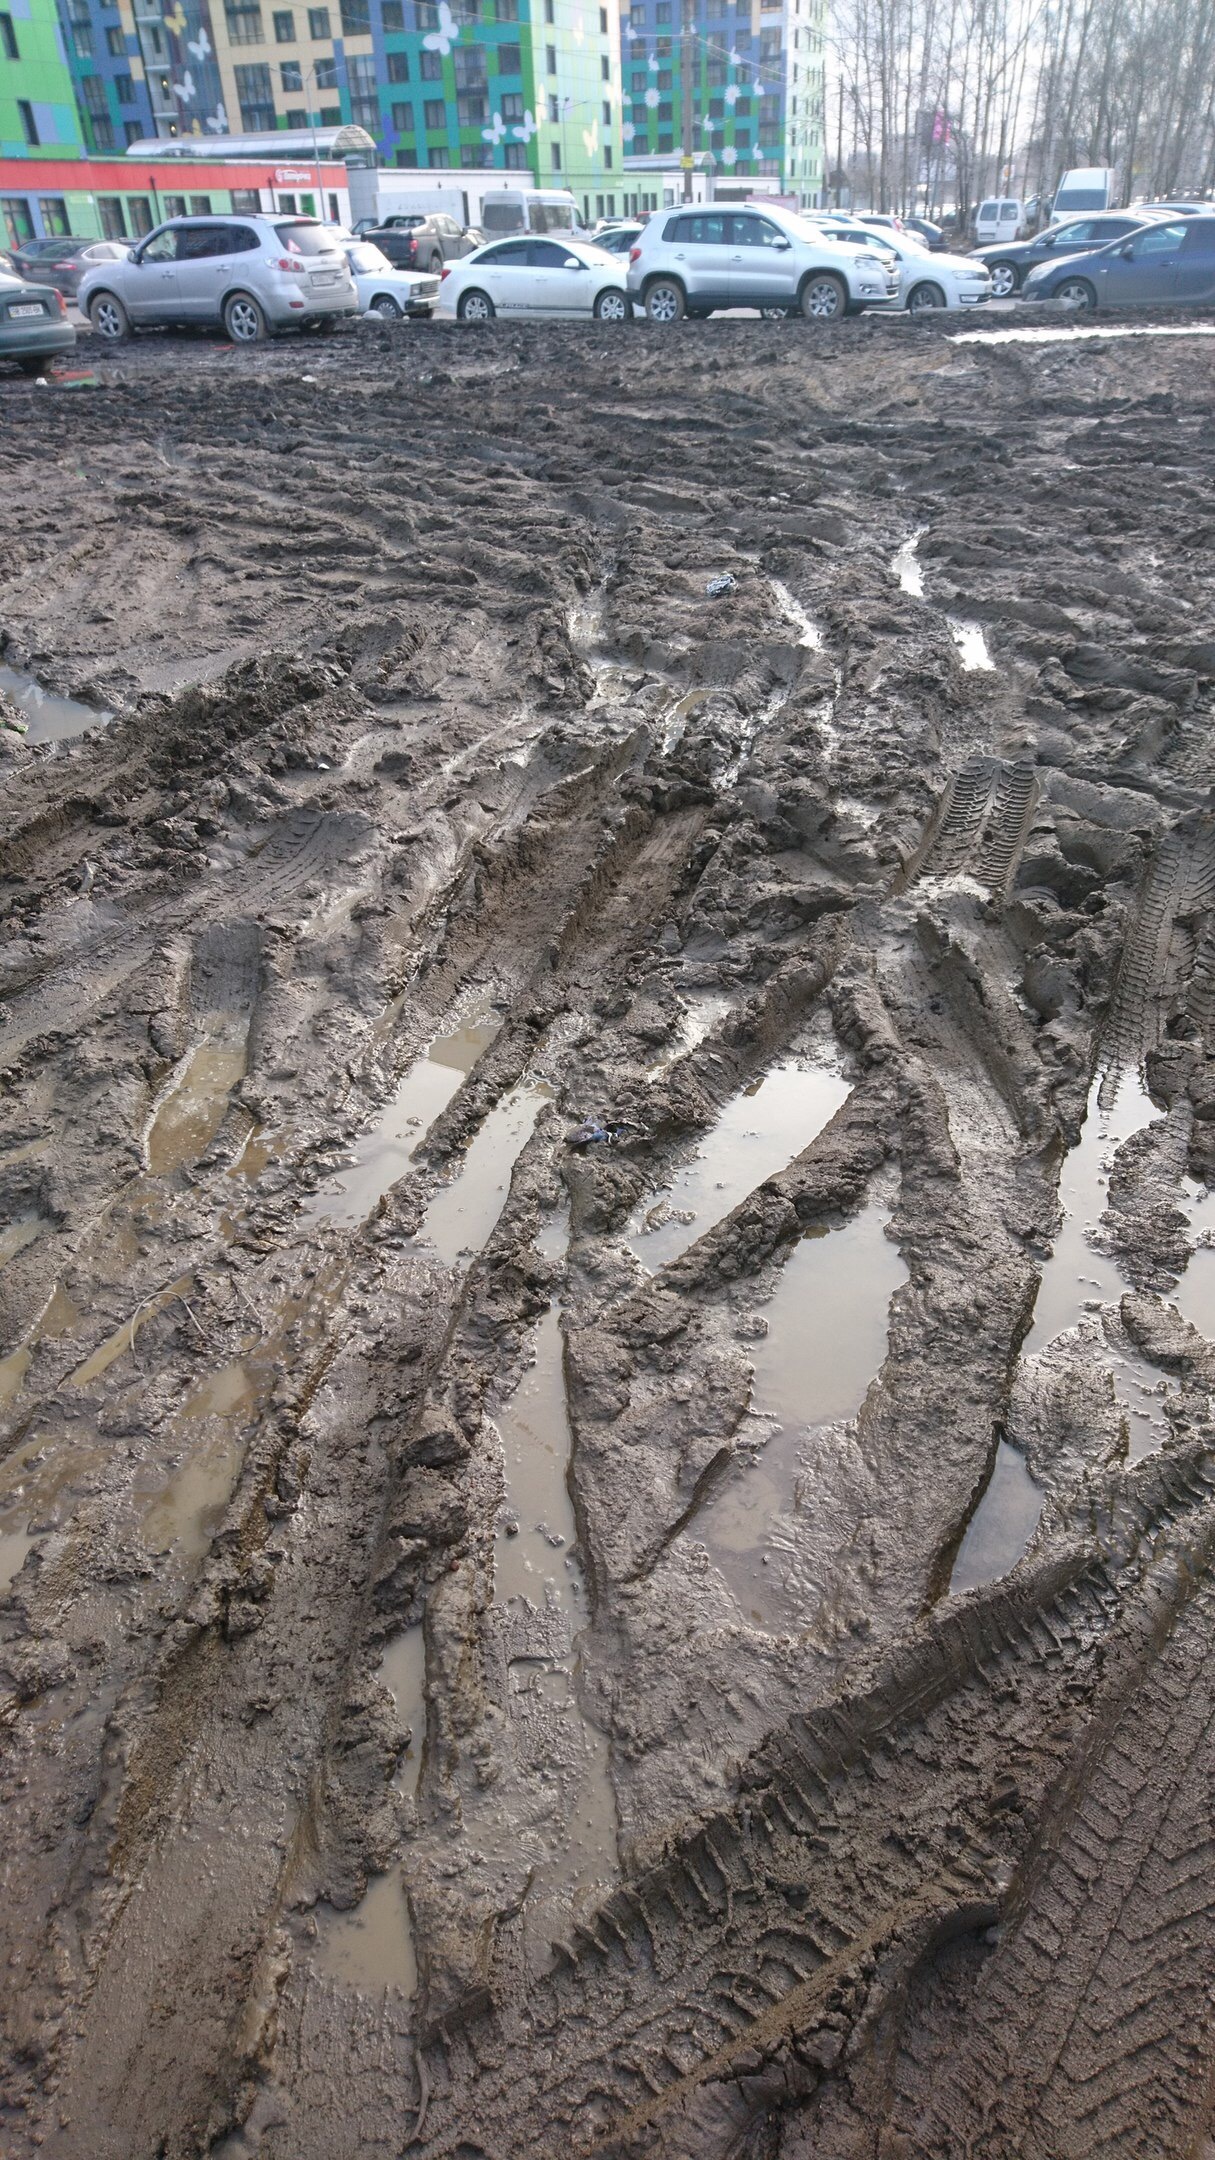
[689, 262]
[252, 274]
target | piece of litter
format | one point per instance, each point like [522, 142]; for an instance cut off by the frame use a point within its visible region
[307, 378]
[719, 585]
[591, 1132]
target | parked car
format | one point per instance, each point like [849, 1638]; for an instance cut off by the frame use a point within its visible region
[385, 291]
[33, 324]
[531, 276]
[925, 280]
[1084, 188]
[253, 274]
[65, 268]
[508, 210]
[931, 235]
[34, 258]
[1011, 263]
[415, 242]
[1000, 217]
[618, 239]
[1166, 264]
[691, 262]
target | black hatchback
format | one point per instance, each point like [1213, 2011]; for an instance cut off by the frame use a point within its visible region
[1161, 265]
[1011, 263]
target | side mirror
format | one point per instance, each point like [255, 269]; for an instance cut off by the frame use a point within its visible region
[1127, 253]
[784, 245]
[572, 263]
[1048, 239]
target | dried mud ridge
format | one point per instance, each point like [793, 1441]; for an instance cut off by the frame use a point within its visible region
[485, 1665]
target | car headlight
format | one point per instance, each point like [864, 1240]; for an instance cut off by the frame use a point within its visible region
[869, 262]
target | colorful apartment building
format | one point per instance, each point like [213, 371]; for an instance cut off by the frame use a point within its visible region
[752, 76]
[38, 116]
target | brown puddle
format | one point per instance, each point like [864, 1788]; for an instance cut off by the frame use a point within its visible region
[371, 1946]
[826, 1341]
[192, 1112]
[758, 1134]
[123, 1339]
[1002, 1525]
[462, 1215]
[15, 1236]
[188, 1510]
[385, 1151]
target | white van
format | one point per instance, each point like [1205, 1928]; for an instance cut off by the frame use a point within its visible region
[1085, 187]
[1001, 217]
[515, 210]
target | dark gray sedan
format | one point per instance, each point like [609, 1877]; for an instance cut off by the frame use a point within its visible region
[1011, 262]
[1161, 265]
[33, 324]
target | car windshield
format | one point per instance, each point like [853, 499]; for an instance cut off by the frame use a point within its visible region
[302, 237]
[367, 258]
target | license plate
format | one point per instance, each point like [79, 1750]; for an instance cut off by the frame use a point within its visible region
[325, 277]
[36, 309]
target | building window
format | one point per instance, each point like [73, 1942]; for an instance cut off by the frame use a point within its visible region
[510, 60]
[175, 205]
[550, 59]
[641, 82]
[665, 146]
[200, 206]
[769, 48]
[284, 27]
[113, 220]
[94, 98]
[607, 157]
[392, 15]
[472, 110]
[603, 22]
[435, 113]
[666, 79]
[124, 89]
[402, 119]
[8, 38]
[364, 102]
[255, 96]
[742, 40]
[245, 203]
[549, 14]
[742, 139]
[331, 116]
[515, 158]
[291, 75]
[139, 210]
[18, 223]
[607, 113]
[405, 157]
[556, 157]
[663, 47]
[512, 105]
[554, 109]
[662, 13]
[398, 67]
[605, 66]
[356, 18]
[318, 23]
[439, 160]
[665, 111]
[716, 74]
[742, 108]
[717, 108]
[82, 40]
[427, 12]
[325, 74]
[244, 25]
[431, 67]
[506, 10]
[115, 42]
[297, 118]
[54, 214]
[470, 68]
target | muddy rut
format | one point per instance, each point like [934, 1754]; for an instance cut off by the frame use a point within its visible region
[607, 1483]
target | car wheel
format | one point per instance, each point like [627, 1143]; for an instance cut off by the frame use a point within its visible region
[385, 305]
[243, 320]
[435, 266]
[664, 301]
[474, 306]
[923, 297]
[109, 318]
[1003, 280]
[1077, 293]
[823, 297]
[611, 306]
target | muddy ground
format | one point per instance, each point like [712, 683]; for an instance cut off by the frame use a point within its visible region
[695, 1642]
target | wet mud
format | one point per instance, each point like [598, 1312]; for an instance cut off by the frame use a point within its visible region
[607, 1300]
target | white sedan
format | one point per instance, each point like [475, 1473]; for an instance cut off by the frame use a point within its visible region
[925, 280]
[385, 291]
[536, 274]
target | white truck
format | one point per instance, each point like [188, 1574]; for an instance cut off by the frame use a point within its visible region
[1084, 188]
[497, 203]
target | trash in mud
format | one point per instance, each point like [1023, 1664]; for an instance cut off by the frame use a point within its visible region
[591, 1132]
[717, 587]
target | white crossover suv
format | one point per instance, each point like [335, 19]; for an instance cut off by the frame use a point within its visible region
[253, 274]
[692, 261]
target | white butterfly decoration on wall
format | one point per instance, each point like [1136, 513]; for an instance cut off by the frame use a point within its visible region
[185, 89]
[217, 121]
[527, 130]
[201, 45]
[495, 134]
[442, 39]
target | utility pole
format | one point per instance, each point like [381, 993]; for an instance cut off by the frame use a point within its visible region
[687, 56]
